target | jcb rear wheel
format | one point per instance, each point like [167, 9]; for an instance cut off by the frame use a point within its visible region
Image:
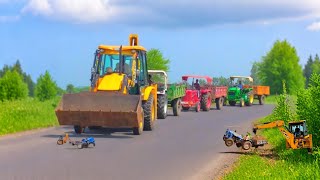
[149, 113]
[162, 106]
[176, 107]
[78, 129]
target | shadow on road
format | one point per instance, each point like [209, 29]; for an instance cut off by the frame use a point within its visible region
[97, 133]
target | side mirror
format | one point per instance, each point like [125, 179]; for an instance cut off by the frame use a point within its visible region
[93, 70]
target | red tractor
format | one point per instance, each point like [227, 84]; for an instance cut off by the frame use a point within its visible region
[201, 93]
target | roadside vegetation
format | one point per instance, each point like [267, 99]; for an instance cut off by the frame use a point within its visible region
[277, 162]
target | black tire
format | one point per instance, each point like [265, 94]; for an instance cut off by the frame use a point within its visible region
[241, 102]
[80, 146]
[261, 99]
[232, 103]
[205, 99]
[219, 103]
[228, 142]
[246, 145]
[176, 107]
[162, 106]
[147, 111]
[248, 103]
[185, 108]
[224, 101]
[78, 129]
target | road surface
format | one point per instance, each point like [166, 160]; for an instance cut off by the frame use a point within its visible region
[179, 148]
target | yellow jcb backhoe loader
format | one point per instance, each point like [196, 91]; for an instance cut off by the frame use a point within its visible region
[296, 134]
[120, 95]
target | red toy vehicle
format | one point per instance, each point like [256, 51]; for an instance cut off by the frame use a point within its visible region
[201, 96]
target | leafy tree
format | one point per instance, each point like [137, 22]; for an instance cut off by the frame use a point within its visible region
[220, 81]
[12, 86]
[157, 61]
[254, 73]
[308, 107]
[26, 77]
[281, 63]
[45, 88]
[285, 108]
[70, 88]
[316, 65]
[307, 71]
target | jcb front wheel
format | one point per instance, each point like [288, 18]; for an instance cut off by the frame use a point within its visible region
[149, 113]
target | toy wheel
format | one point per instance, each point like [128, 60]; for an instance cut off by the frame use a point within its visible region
[91, 145]
[228, 142]
[60, 142]
[80, 146]
[246, 145]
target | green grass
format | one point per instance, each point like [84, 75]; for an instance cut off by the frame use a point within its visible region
[272, 99]
[27, 114]
[282, 164]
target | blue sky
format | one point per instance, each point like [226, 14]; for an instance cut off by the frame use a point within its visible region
[205, 37]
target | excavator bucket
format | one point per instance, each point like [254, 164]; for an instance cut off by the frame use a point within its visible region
[107, 109]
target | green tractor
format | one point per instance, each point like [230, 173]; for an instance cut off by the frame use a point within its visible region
[240, 90]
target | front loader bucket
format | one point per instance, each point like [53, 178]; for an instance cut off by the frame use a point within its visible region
[100, 109]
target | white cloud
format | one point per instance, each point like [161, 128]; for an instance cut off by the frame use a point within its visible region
[174, 13]
[86, 11]
[314, 26]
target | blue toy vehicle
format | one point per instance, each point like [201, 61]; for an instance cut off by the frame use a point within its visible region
[245, 142]
[85, 143]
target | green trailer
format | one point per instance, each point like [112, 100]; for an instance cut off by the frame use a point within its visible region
[167, 93]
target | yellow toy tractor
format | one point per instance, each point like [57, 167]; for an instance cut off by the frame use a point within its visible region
[120, 95]
[296, 134]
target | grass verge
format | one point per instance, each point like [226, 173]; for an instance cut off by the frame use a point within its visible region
[278, 163]
[26, 114]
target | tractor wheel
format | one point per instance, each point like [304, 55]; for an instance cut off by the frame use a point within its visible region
[246, 145]
[241, 102]
[78, 129]
[80, 146]
[206, 102]
[197, 107]
[162, 106]
[219, 103]
[232, 103]
[149, 113]
[228, 142]
[224, 101]
[138, 130]
[185, 108]
[250, 99]
[176, 107]
[261, 99]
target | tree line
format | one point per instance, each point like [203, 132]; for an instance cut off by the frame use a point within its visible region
[17, 84]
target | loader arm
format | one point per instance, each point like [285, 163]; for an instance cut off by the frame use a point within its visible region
[280, 125]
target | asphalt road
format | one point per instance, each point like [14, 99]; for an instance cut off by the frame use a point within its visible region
[179, 148]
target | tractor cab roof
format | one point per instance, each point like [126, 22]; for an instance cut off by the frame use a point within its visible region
[297, 122]
[158, 72]
[208, 78]
[242, 77]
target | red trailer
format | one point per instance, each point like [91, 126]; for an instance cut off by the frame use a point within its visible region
[203, 95]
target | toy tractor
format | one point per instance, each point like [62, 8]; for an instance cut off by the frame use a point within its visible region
[246, 142]
[237, 93]
[84, 143]
[201, 94]
[167, 93]
[242, 90]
